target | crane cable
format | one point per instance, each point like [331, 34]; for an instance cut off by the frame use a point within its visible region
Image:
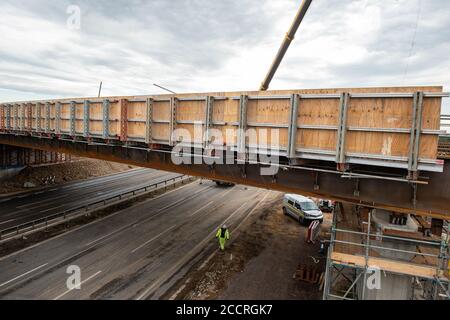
[413, 41]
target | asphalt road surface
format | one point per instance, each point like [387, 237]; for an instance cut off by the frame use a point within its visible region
[37, 204]
[136, 253]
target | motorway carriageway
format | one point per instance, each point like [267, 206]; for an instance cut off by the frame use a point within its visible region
[41, 203]
[135, 253]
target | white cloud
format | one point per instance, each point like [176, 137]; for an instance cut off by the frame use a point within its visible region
[208, 45]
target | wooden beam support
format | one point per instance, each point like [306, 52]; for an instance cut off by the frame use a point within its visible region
[386, 265]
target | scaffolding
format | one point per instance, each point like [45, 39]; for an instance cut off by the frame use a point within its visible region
[420, 265]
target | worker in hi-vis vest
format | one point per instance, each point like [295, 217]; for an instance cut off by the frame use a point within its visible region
[223, 234]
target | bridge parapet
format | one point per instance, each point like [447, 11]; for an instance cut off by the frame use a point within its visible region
[356, 136]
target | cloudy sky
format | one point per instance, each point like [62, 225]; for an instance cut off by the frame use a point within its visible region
[217, 45]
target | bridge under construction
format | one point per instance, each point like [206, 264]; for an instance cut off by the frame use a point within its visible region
[376, 147]
[380, 151]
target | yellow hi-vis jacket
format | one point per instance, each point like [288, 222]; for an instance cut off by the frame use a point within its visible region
[223, 234]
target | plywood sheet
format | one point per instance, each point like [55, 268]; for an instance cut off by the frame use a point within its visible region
[380, 113]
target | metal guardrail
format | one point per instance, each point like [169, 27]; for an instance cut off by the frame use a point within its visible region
[69, 213]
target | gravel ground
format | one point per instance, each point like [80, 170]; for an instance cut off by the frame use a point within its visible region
[64, 172]
[259, 263]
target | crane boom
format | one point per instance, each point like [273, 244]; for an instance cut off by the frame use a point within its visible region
[285, 44]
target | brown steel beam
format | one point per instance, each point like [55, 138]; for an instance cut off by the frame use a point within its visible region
[432, 199]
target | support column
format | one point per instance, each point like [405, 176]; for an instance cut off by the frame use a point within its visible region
[342, 130]
[8, 117]
[106, 106]
[329, 265]
[148, 121]
[208, 120]
[58, 117]
[16, 116]
[38, 117]
[86, 110]
[241, 148]
[416, 128]
[2, 117]
[292, 131]
[123, 104]
[47, 117]
[29, 117]
[22, 117]
[72, 118]
[173, 119]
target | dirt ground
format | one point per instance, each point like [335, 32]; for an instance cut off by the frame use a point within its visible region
[259, 263]
[78, 169]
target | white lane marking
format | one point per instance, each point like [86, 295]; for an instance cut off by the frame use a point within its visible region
[198, 210]
[87, 181]
[250, 213]
[206, 261]
[136, 223]
[34, 204]
[46, 210]
[11, 220]
[177, 292]
[82, 282]
[221, 196]
[227, 193]
[184, 259]
[153, 239]
[214, 253]
[84, 226]
[101, 238]
[41, 203]
[23, 275]
[40, 192]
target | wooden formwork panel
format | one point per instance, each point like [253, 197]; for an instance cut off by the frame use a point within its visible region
[268, 111]
[311, 139]
[189, 133]
[95, 118]
[79, 114]
[372, 123]
[160, 132]
[191, 111]
[136, 114]
[114, 119]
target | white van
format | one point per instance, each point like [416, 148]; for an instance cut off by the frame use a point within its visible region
[301, 208]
